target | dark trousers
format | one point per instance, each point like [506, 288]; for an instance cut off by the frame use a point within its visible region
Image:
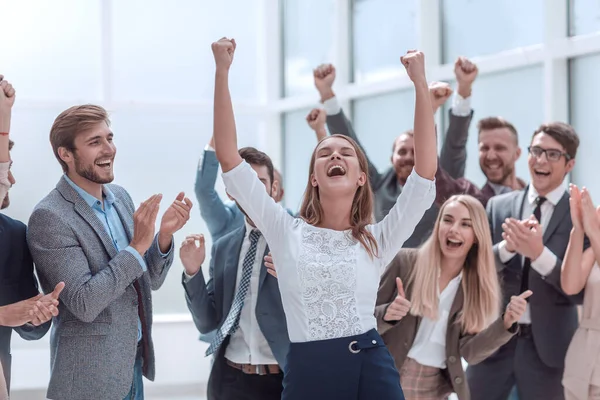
[357, 367]
[229, 383]
[516, 363]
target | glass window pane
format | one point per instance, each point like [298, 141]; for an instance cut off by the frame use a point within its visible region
[308, 32]
[51, 50]
[378, 120]
[584, 16]
[481, 27]
[585, 85]
[523, 109]
[299, 141]
[165, 55]
[374, 30]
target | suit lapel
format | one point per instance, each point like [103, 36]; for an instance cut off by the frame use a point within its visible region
[88, 215]
[517, 211]
[125, 217]
[263, 270]
[457, 304]
[230, 269]
[560, 212]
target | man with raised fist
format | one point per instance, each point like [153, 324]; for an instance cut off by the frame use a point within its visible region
[388, 186]
[88, 234]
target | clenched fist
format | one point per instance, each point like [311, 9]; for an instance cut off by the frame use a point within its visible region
[399, 307]
[439, 92]
[465, 72]
[316, 120]
[223, 50]
[7, 95]
[414, 62]
[324, 76]
[516, 308]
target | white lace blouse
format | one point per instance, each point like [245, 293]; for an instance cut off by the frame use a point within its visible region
[327, 280]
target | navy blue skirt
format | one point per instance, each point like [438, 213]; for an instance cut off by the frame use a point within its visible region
[352, 368]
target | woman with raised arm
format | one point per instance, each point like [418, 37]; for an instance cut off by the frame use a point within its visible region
[329, 260]
[580, 270]
[450, 306]
[7, 99]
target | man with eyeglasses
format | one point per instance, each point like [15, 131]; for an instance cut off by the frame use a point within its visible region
[530, 230]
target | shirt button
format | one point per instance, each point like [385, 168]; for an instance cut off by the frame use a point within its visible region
[452, 359]
[458, 380]
[374, 342]
[406, 344]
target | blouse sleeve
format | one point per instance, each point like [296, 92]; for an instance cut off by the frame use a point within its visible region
[4, 183]
[249, 192]
[416, 197]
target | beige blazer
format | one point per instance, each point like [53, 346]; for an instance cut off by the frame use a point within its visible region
[399, 337]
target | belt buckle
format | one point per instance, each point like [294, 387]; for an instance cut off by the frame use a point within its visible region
[351, 348]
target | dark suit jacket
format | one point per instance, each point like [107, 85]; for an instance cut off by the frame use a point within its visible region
[399, 337]
[210, 302]
[386, 188]
[17, 282]
[553, 313]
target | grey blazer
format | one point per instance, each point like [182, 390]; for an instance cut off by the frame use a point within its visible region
[94, 339]
[386, 188]
[553, 313]
[210, 302]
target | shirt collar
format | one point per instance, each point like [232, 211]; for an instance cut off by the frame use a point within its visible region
[249, 228]
[499, 189]
[108, 195]
[553, 197]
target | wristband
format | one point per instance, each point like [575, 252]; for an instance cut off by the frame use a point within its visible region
[3, 133]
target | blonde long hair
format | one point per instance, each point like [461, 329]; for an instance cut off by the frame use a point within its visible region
[361, 214]
[480, 284]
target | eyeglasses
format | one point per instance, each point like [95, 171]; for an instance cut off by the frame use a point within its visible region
[552, 155]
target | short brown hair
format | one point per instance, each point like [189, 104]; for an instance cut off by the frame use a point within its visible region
[490, 123]
[409, 132]
[72, 122]
[11, 144]
[563, 134]
[256, 157]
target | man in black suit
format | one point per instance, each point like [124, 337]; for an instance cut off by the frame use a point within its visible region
[530, 230]
[241, 301]
[22, 307]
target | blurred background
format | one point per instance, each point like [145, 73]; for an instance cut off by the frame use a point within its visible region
[149, 63]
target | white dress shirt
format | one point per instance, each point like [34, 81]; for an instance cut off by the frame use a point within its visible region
[328, 281]
[429, 347]
[547, 260]
[461, 107]
[248, 345]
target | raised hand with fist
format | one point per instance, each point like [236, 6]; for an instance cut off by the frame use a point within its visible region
[466, 72]
[439, 93]
[324, 76]
[398, 308]
[223, 51]
[414, 62]
[316, 120]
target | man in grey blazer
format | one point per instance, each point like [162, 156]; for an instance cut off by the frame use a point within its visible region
[88, 234]
[530, 229]
[388, 186]
[241, 301]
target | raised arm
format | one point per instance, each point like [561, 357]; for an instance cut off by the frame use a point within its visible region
[454, 150]
[220, 218]
[224, 131]
[337, 122]
[7, 100]
[424, 129]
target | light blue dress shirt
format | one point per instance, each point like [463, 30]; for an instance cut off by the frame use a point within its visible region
[109, 217]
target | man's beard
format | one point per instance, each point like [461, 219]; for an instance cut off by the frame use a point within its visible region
[88, 173]
[507, 171]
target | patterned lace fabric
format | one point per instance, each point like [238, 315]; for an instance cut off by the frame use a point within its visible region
[328, 280]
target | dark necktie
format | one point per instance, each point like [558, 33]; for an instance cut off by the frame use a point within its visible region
[537, 213]
[233, 318]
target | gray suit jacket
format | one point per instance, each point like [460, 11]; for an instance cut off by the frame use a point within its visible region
[553, 313]
[386, 188]
[94, 339]
[210, 302]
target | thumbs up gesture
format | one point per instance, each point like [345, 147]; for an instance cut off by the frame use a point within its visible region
[516, 308]
[399, 307]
